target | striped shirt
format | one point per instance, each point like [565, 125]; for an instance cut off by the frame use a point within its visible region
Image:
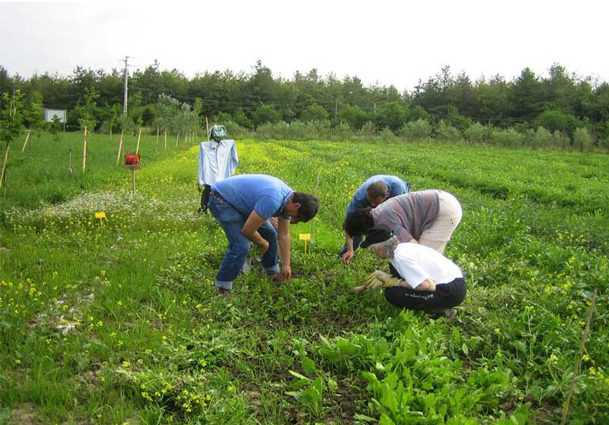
[408, 215]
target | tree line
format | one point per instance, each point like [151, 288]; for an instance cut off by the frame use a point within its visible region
[560, 104]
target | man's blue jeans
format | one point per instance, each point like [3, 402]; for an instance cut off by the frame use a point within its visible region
[232, 222]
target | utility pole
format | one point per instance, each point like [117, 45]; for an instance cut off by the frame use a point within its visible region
[125, 87]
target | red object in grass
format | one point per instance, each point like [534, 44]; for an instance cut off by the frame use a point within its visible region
[131, 159]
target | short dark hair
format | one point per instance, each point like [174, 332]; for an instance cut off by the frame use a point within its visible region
[376, 189]
[309, 205]
[358, 222]
[377, 234]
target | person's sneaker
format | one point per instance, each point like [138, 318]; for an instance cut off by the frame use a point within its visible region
[448, 313]
[223, 292]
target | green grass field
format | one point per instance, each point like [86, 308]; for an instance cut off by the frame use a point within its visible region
[119, 323]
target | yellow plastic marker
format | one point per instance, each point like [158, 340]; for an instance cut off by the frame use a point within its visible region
[102, 216]
[305, 237]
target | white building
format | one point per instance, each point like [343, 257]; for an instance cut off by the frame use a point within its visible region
[49, 114]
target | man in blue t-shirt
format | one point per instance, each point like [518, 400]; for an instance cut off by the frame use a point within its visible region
[243, 205]
[374, 191]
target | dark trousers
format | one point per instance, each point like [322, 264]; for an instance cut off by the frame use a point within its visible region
[205, 198]
[445, 296]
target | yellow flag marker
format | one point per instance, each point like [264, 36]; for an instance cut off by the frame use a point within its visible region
[102, 216]
[305, 237]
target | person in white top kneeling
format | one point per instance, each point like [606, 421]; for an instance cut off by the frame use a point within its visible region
[420, 279]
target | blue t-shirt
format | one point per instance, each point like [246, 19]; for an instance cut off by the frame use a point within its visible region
[267, 195]
[396, 185]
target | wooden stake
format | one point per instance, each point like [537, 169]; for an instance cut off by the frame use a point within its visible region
[157, 135]
[3, 175]
[120, 149]
[139, 135]
[177, 138]
[565, 410]
[27, 137]
[317, 196]
[165, 139]
[84, 153]
[70, 170]
[207, 128]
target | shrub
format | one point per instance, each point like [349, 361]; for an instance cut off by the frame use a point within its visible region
[419, 129]
[387, 135]
[447, 132]
[342, 131]
[234, 130]
[296, 130]
[541, 138]
[582, 139]
[507, 137]
[476, 133]
[367, 130]
[560, 140]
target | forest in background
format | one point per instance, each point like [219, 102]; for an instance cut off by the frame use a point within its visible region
[560, 110]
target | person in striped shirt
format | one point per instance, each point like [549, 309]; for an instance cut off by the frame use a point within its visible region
[371, 193]
[428, 217]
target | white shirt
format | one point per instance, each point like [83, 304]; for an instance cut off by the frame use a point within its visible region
[217, 161]
[415, 263]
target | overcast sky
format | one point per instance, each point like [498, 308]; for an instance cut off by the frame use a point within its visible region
[381, 42]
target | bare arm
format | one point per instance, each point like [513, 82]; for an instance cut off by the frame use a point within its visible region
[285, 248]
[250, 231]
[347, 256]
[427, 285]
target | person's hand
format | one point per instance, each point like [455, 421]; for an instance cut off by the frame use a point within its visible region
[285, 273]
[386, 278]
[380, 279]
[347, 257]
[427, 285]
[263, 247]
[274, 222]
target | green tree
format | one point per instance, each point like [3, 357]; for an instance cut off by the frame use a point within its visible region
[392, 115]
[526, 97]
[555, 120]
[168, 108]
[417, 113]
[494, 105]
[355, 116]
[314, 113]
[87, 113]
[11, 115]
[33, 112]
[242, 119]
[561, 90]
[266, 114]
